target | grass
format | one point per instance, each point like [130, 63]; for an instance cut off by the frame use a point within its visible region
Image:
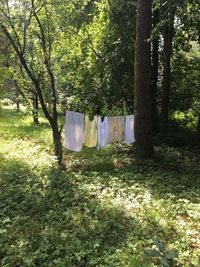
[103, 211]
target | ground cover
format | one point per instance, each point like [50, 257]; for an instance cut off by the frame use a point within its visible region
[102, 211]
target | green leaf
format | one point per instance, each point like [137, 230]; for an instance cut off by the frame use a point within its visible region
[6, 220]
[164, 262]
[171, 254]
[152, 252]
[2, 231]
[160, 245]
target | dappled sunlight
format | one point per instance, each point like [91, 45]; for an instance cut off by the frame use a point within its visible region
[20, 125]
[28, 121]
[63, 220]
[78, 187]
[27, 152]
[104, 208]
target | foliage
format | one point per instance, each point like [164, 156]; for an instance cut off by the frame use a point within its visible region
[186, 81]
[165, 258]
[88, 48]
[103, 211]
[95, 74]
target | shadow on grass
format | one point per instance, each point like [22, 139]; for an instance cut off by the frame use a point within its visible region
[89, 159]
[174, 173]
[47, 220]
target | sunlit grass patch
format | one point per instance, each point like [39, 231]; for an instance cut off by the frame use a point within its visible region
[20, 126]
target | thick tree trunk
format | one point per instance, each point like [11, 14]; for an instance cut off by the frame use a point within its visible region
[164, 114]
[198, 132]
[154, 74]
[142, 101]
[35, 109]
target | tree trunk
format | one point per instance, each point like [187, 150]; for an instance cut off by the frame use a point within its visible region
[164, 115]
[35, 109]
[57, 142]
[17, 101]
[198, 131]
[154, 74]
[142, 101]
[52, 118]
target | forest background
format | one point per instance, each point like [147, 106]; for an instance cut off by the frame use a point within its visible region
[80, 55]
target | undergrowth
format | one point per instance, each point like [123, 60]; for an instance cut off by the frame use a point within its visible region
[102, 211]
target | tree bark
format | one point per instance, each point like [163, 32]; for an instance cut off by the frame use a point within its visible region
[57, 142]
[164, 114]
[35, 109]
[142, 102]
[198, 131]
[154, 74]
[17, 101]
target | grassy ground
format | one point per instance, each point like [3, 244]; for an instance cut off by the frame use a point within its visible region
[103, 211]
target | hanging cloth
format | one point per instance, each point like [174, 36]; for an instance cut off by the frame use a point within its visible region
[74, 127]
[129, 129]
[102, 132]
[116, 129]
[90, 138]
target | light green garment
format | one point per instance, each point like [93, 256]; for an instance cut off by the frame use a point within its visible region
[90, 134]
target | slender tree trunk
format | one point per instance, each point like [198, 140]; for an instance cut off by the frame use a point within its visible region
[142, 102]
[154, 74]
[17, 100]
[164, 115]
[198, 131]
[57, 142]
[52, 118]
[35, 109]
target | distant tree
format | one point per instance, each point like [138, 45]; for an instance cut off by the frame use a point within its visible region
[99, 70]
[180, 24]
[154, 68]
[4, 71]
[168, 33]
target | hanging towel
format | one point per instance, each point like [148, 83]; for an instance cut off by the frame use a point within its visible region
[102, 132]
[74, 131]
[129, 129]
[90, 138]
[116, 129]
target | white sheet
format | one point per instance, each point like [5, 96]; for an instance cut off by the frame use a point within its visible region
[129, 129]
[102, 132]
[74, 131]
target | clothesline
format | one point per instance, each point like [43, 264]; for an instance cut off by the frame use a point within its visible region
[80, 130]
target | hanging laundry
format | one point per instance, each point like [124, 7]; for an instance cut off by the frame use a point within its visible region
[90, 138]
[102, 132]
[129, 129]
[116, 129]
[74, 131]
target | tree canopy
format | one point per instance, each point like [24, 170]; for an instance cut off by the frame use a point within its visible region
[80, 55]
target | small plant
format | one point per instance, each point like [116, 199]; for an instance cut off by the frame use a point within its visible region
[163, 257]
